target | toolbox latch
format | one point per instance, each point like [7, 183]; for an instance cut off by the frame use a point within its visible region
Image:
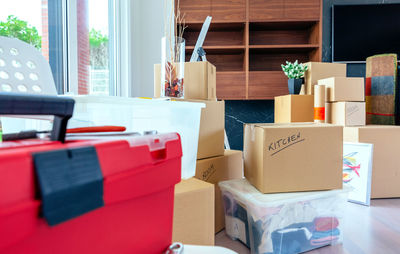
[70, 183]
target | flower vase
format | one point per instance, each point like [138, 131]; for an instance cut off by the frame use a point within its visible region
[172, 67]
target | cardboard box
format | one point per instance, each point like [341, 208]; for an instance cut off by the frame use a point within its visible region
[221, 168]
[343, 89]
[294, 108]
[194, 213]
[318, 70]
[293, 157]
[347, 113]
[199, 81]
[385, 161]
[212, 126]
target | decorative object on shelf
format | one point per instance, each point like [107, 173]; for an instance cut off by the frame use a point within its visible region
[295, 72]
[173, 53]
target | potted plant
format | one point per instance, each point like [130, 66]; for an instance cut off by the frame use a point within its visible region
[295, 72]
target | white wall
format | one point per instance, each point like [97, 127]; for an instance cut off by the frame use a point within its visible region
[147, 31]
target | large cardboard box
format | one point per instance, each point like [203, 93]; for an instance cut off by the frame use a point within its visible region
[212, 126]
[199, 81]
[385, 161]
[194, 212]
[347, 113]
[318, 70]
[343, 89]
[294, 108]
[293, 157]
[216, 169]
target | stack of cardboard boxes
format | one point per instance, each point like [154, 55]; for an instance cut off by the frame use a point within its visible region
[198, 211]
[292, 159]
[345, 103]
[300, 108]
[296, 169]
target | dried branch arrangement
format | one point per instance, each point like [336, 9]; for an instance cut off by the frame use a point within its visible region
[173, 30]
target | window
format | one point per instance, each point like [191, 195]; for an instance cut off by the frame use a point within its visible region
[88, 43]
[28, 24]
[75, 37]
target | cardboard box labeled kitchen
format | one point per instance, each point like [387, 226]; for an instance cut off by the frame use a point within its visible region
[294, 108]
[347, 113]
[216, 169]
[343, 89]
[293, 157]
[193, 212]
[318, 70]
[199, 81]
[385, 161]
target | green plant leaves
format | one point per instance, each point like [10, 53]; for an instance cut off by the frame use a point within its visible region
[20, 29]
[294, 70]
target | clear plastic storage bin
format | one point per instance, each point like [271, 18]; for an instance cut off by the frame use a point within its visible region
[283, 223]
[139, 115]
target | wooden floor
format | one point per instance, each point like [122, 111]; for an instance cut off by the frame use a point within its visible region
[374, 229]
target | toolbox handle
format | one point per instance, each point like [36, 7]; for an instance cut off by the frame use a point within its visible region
[22, 104]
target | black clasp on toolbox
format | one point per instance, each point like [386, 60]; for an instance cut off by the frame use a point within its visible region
[23, 104]
[70, 183]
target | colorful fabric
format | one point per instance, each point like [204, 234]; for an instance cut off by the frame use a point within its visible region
[300, 237]
[323, 234]
[325, 223]
[381, 89]
[324, 241]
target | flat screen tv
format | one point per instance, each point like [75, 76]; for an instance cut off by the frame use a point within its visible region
[360, 31]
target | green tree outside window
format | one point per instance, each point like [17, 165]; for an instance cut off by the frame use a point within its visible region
[16, 28]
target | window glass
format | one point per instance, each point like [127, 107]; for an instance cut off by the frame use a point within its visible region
[92, 46]
[99, 47]
[28, 24]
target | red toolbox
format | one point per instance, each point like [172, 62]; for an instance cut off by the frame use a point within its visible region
[93, 196]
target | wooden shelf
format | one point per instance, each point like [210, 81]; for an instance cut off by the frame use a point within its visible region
[282, 24]
[267, 84]
[222, 34]
[230, 85]
[216, 26]
[285, 46]
[248, 40]
[213, 48]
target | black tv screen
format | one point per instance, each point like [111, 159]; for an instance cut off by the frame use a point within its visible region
[360, 31]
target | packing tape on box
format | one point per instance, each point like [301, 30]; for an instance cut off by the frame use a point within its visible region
[319, 103]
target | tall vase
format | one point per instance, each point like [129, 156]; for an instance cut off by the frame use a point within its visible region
[172, 66]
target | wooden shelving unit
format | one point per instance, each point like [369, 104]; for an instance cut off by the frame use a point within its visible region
[248, 40]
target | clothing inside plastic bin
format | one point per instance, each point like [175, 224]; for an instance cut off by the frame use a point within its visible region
[292, 225]
[295, 238]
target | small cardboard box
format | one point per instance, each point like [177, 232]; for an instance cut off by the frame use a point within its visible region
[212, 125]
[347, 113]
[293, 157]
[294, 108]
[385, 161]
[194, 213]
[318, 70]
[216, 169]
[199, 81]
[343, 89]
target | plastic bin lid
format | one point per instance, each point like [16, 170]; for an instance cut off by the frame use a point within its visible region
[134, 101]
[245, 192]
